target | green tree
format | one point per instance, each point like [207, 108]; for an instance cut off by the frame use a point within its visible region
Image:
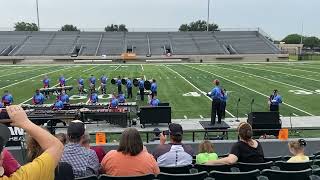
[311, 42]
[199, 25]
[24, 26]
[117, 28]
[69, 27]
[292, 39]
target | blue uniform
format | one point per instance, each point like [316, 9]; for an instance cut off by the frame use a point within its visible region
[58, 105]
[62, 81]
[64, 98]
[92, 80]
[224, 97]
[129, 83]
[81, 81]
[38, 99]
[114, 103]
[154, 102]
[121, 98]
[216, 93]
[7, 99]
[1, 105]
[104, 80]
[46, 83]
[276, 100]
[141, 84]
[154, 87]
[94, 98]
[119, 82]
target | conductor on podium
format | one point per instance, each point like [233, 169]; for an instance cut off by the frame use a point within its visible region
[216, 96]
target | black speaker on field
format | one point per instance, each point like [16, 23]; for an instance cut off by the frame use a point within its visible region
[265, 120]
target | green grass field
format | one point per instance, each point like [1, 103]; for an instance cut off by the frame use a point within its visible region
[299, 84]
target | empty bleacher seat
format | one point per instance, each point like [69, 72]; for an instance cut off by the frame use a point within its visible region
[196, 176]
[93, 177]
[209, 168]
[176, 170]
[287, 175]
[286, 166]
[252, 175]
[143, 177]
[245, 167]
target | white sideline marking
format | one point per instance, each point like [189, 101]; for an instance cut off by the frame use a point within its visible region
[32, 96]
[294, 114]
[89, 69]
[185, 117]
[141, 67]
[303, 70]
[249, 89]
[33, 78]
[264, 78]
[202, 92]
[201, 116]
[145, 78]
[303, 77]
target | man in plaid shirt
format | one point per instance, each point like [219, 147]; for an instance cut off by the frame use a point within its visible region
[84, 161]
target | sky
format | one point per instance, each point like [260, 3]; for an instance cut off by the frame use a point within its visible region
[276, 17]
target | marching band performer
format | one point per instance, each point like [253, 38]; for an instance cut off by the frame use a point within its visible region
[153, 101]
[81, 86]
[154, 88]
[93, 99]
[141, 88]
[118, 82]
[46, 84]
[58, 105]
[224, 99]
[64, 97]
[38, 98]
[216, 95]
[274, 101]
[121, 98]
[7, 98]
[103, 81]
[129, 88]
[92, 82]
[114, 102]
[62, 81]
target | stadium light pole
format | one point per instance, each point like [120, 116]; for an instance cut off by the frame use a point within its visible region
[38, 14]
[208, 15]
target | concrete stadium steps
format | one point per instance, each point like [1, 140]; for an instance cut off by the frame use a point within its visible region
[89, 42]
[207, 43]
[112, 44]
[8, 38]
[139, 42]
[61, 44]
[157, 42]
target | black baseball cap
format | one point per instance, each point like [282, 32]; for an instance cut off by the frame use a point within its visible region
[4, 135]
[76, 129]
[175, 129]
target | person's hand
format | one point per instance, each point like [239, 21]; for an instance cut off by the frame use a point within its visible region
[18, 116]
[163, 138]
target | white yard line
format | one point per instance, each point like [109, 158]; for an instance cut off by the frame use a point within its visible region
[303, 77]
[249, 89]
[202, 92]
[33, 78]
[265, 78]
[20, 72]
[185, 117]
[117, 68]
[32, 96]
[142, 67]
[89, 69]
[281, 67]
[294, 114]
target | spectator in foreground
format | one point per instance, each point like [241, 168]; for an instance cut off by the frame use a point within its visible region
[97, 149]
[206, 153]
[297, 149]
[45, 164]
[83, 161]
[63, 170]
[131, 158]
[174, 153]
[246, 150]
[9, 164]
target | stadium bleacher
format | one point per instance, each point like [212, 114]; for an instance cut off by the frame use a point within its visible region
[142, 43]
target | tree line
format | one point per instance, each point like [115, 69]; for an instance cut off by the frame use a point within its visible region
[307, 41]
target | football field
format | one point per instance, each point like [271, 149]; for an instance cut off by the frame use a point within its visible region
[185, 86]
